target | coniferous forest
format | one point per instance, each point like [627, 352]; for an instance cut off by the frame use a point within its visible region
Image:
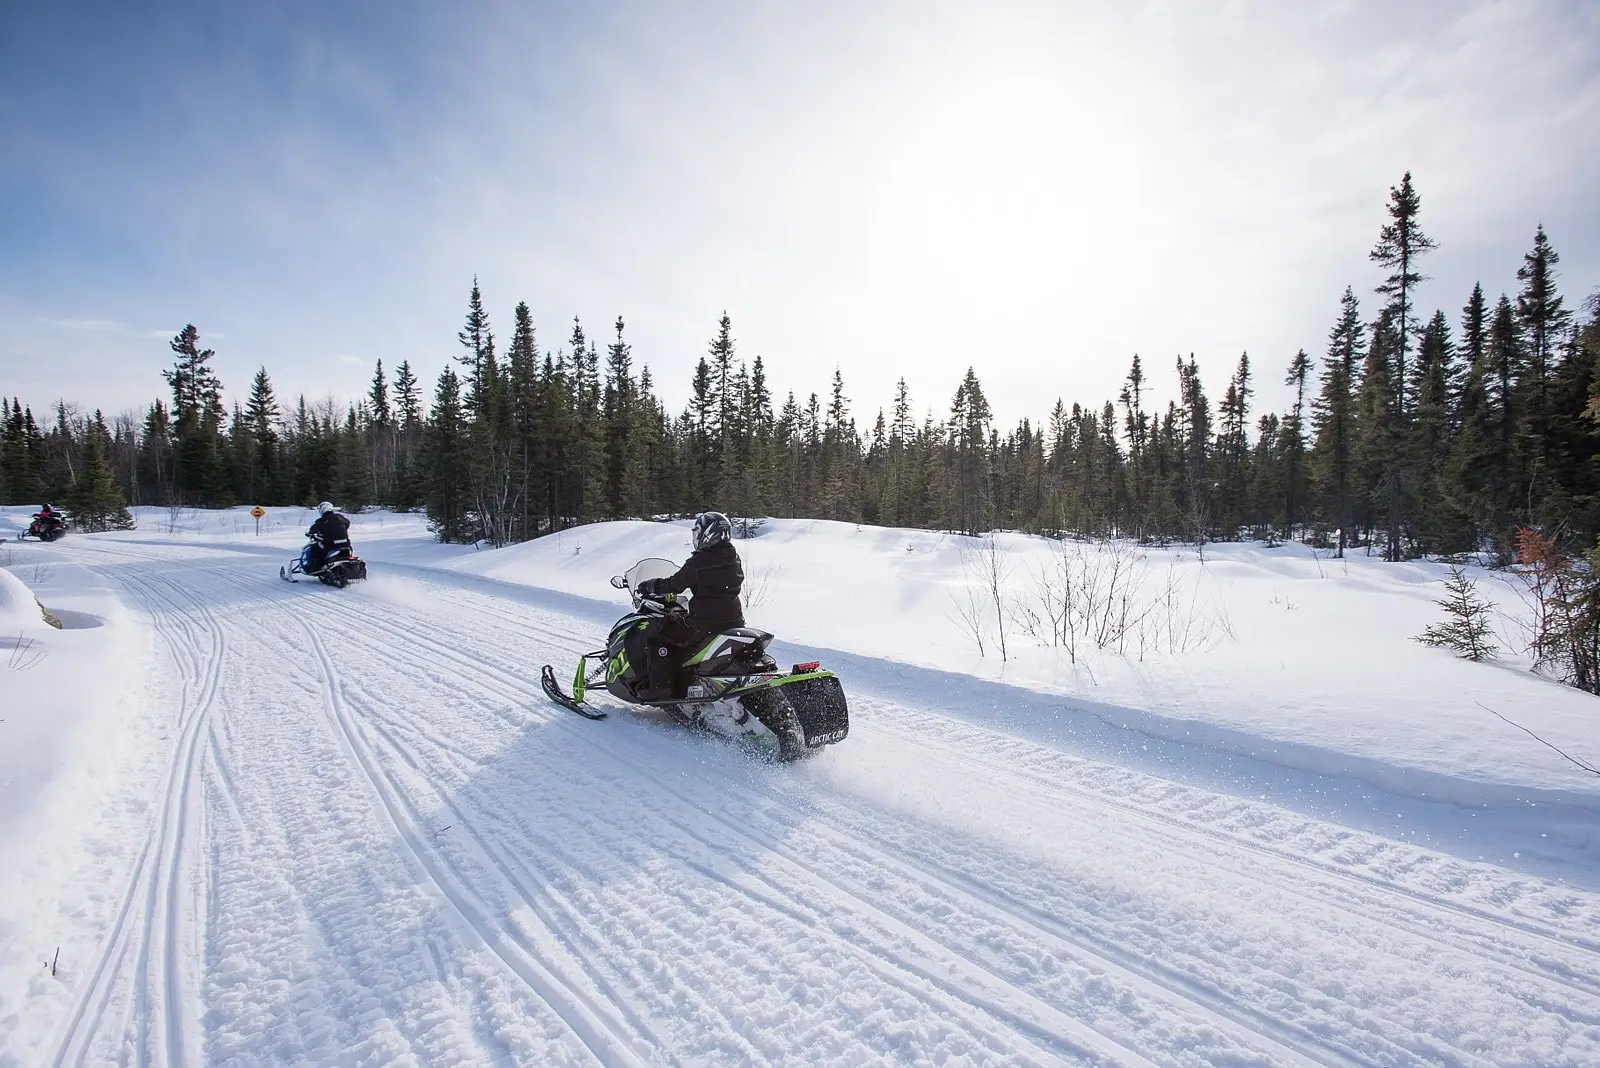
[1411, 431]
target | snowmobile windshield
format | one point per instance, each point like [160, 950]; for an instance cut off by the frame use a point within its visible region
[652, 568]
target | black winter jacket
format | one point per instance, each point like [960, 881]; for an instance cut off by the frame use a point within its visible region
[715, 576]
[330, 530]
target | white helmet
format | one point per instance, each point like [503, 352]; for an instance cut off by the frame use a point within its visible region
[324, 508]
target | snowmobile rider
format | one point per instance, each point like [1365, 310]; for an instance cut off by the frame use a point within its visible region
[714, 575]
[48, 519]
[328, 532]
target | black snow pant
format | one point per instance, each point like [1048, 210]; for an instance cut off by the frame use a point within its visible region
[320, 553]
[665, 641]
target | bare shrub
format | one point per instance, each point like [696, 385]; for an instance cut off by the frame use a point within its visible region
[1104, 597]
[25, 653]
[178, 515]
[1564, 595]
[985, 596]
[971, 615]
[758, 590]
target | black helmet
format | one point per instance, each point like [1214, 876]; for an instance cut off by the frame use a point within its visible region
[711, 528]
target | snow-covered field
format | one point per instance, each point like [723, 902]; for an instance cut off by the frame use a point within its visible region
[268, 823]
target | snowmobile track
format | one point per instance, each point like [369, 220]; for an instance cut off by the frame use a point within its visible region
[1539, 966]
[919, 908]
[160, 874]
[1072, 1034]
[1182, 989]
[610, 1043]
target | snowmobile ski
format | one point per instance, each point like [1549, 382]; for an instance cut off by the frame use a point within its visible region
[553, 690]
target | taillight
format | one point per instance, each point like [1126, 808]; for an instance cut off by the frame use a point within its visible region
[810, 665]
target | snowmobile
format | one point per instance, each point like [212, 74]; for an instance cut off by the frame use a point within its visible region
[728, 685]
[339, 568]
[45, 528]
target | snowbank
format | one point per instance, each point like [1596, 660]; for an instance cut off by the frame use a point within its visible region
[18, 609]
[79, 759]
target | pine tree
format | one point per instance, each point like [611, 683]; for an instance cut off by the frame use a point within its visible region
[95, 501]
[969, 434]
[1470, 482]
[353, 464]
[264, 471]
[408, 411]
[382, 437]
[525, 397]
[1505, 371]
[1431, 390]
[1233, 449]
[624, 432]
[1377, 454]
[445, 463]
[1294, 443]
[1401, 243]
[724, 402]
[197, 415]
[1334, 417]
[1542, 320]
[1193, 426]
[477, 341]
[1136, 432]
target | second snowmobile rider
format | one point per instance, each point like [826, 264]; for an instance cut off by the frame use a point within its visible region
[714, 575]
[329, 531]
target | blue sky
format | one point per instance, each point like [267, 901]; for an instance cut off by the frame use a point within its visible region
[1039, 190]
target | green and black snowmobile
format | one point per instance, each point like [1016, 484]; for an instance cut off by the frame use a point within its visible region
[729, 685]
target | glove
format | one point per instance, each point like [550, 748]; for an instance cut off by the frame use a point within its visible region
[649, 588]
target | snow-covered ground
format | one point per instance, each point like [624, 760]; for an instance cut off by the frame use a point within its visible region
[268, 823]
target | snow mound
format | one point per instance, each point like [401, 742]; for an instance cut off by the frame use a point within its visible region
[18, 607]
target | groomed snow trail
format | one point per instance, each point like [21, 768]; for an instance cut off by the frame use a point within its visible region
[379, 844]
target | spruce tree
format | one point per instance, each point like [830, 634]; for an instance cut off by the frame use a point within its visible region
[1401, 244]
[969, 434]
[408, 412]
[1471, 472]
[265, 470]
[1505, 412]
[381, 435]
[353, 463]
[1542, 320]
[477, 343]
[1195, 496]
[197, 412]
[623, 433]
[94, 500]
[1377, 454]
[1431, 390]
[446, 454]
[1294, 443]
[524, 391]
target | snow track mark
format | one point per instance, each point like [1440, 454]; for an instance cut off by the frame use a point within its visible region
[165, 935]
[607, 1039]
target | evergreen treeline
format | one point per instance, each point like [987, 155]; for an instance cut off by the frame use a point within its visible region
[1414, 432]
